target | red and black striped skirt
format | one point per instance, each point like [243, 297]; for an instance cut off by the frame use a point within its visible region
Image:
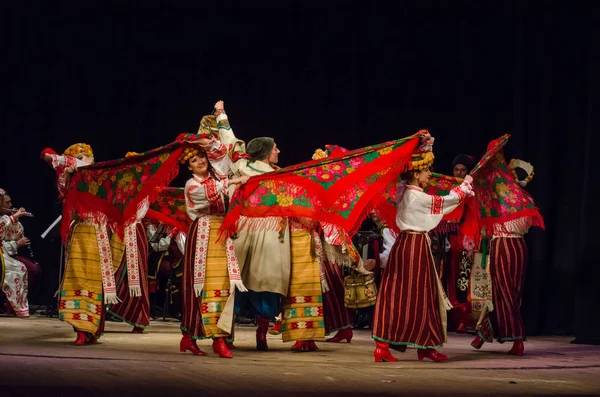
[134, 310]
[508, 264]
[337, 316]
[407, 310]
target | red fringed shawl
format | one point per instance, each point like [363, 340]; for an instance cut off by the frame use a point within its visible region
[501, 199]
[116, 188]
[340, 190]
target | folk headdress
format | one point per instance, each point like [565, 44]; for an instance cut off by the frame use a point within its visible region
[525, 166]
[208, 125]
[423, 157]
[79, 148]
[188, 153]
[330, 151]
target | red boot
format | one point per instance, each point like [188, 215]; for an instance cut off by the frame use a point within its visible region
[276, 329]
[137, 330]
[220, 347]
[261, 333]
[517, 349]
[81, 338]
[477, 342]
[298, 346]
[187, 343]
[431, 354]
[343, 334]
[382, 353]
[311, 346]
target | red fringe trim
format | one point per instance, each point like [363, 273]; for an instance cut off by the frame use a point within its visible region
[524, 219]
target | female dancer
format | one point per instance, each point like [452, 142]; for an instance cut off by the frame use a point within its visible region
[411, 305]
[211, 271]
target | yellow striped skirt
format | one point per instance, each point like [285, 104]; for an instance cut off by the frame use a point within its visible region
[216, 282]
[303, 307]
[81, 295]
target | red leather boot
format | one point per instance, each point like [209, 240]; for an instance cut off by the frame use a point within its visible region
[187, 343]
[311, 346]
[477, 342]
[382, 353]
[81, 338]
[220, 347]
[431, 354]
[298, 346]
[343, 334]
[517, 349]
[261, 333]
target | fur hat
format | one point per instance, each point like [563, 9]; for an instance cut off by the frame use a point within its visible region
[464, 159]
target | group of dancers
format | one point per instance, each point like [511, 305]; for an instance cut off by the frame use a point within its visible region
[290, 268]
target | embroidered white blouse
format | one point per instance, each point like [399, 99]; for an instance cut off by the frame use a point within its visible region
[205, 197]
[421, 212]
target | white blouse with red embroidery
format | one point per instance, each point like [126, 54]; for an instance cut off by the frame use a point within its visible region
[421, 212]
[205, 197]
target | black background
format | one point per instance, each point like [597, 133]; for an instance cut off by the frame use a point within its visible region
[125, 76]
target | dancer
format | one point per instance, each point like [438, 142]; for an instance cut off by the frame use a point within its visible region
[131, 277]
[262, 245]
[131, 252]
[211, 272]
[460, 258]
[507, 252]
[411, 305]
[89, 281]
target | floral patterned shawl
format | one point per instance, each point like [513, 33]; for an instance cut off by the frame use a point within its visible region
[340, 190]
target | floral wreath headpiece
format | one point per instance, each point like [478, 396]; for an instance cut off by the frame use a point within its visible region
[79, 148]
[423, 157]
[188, 153]
[525, 166]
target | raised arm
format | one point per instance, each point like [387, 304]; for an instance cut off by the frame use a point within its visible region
[236, 148]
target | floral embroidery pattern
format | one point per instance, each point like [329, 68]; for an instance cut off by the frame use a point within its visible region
[200, 254]
[335, 189]
[131, 250]
[501, 198]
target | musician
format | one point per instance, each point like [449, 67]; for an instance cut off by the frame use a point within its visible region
[19, 270]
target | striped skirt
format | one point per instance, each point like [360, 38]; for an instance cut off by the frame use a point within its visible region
[133, 310]
[337, 316]
[201, 315]
[408, 310]
[303, 305]
[81, 300]
[508, 263]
